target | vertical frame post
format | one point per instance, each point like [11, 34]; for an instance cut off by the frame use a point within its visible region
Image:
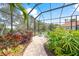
[38, 26]
[76, 22]
[28, 22]
[71, 22]
[34, 26]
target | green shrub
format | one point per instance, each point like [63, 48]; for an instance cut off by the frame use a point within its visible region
[63, 42]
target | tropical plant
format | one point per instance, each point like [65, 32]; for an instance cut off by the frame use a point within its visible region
[10, 13]
[13, 40]
[63, 42]
[52, 26]
[19, 6]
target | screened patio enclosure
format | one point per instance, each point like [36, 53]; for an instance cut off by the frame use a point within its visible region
[42, 16]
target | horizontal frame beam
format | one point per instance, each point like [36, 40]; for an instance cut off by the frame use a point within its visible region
[34, 7]
[54, 9]
[61, 17]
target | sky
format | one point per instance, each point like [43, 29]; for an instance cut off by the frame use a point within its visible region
[67, 11]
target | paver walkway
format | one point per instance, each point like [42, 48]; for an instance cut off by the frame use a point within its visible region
[36, 48]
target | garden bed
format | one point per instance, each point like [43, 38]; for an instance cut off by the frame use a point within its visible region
[18, 51]
[13, 44]
[49, 53]
[63, 42]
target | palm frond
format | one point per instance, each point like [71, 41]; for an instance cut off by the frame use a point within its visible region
[23, 10]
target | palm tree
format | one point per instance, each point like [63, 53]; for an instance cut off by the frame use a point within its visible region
[19, 6]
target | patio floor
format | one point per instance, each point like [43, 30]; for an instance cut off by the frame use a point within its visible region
[36, 48]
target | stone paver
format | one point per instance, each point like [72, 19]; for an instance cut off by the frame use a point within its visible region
[36, 48]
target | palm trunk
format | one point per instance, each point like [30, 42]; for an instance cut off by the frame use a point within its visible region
[11, 19]
[11, 22]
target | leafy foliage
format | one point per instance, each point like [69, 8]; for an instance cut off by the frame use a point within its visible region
[63, 42]
[21, 8]
[52, 26]
[12, 41]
